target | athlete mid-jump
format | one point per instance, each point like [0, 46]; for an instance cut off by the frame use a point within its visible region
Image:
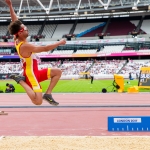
[32, 77]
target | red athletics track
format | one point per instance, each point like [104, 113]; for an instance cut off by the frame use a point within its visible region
[69, 121]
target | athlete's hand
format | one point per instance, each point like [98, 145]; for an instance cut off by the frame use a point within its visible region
[62, 42]
[8, 2]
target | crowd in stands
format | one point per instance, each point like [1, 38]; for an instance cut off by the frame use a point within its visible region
[107, 66]
[75, 67]
[100, 68]
[16, 67]
[10, 67]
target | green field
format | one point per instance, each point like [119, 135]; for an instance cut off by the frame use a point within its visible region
[75, 86]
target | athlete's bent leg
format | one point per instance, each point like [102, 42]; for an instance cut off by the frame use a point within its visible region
[55, 76]
[36, 97]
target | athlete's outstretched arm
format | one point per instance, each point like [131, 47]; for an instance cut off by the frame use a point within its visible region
[12, 12]
[37, 49]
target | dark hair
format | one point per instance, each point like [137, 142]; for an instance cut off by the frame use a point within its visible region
[7, 84]
[14, 27]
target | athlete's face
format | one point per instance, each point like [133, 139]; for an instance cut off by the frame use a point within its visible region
[23, 31]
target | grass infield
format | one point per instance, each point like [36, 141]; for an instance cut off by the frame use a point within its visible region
[76, 86]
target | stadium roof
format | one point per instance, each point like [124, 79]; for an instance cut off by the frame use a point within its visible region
[75, 9]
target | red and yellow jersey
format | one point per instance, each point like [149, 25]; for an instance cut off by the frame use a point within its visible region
[30, 62]
[31, 72]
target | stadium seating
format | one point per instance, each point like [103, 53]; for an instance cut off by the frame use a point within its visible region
[33, 29]
[61, 30]
[88, 51]
[49, 30]
[3, 30]
[62, 52]
[112, 49]
[145, 26]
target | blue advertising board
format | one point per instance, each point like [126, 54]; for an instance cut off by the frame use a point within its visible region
[129, 123]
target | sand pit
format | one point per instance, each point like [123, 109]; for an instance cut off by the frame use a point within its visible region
[75, 143]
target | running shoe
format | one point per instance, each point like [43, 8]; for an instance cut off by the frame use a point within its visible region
[49, 99]
[17, 78]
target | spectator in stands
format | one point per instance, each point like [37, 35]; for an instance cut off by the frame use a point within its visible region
[9, 88]
[31, 75]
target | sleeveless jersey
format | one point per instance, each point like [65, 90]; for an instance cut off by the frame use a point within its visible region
[30, 67]
[30, 62]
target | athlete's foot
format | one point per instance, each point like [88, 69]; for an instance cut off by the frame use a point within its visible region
[17, 78]
[49, 99]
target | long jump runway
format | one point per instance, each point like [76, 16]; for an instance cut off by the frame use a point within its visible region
[77, 115]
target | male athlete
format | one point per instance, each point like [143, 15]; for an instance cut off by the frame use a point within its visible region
[31, 75]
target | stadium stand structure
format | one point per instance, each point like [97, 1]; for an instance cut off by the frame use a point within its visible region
[111, 28]
[92, 57]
